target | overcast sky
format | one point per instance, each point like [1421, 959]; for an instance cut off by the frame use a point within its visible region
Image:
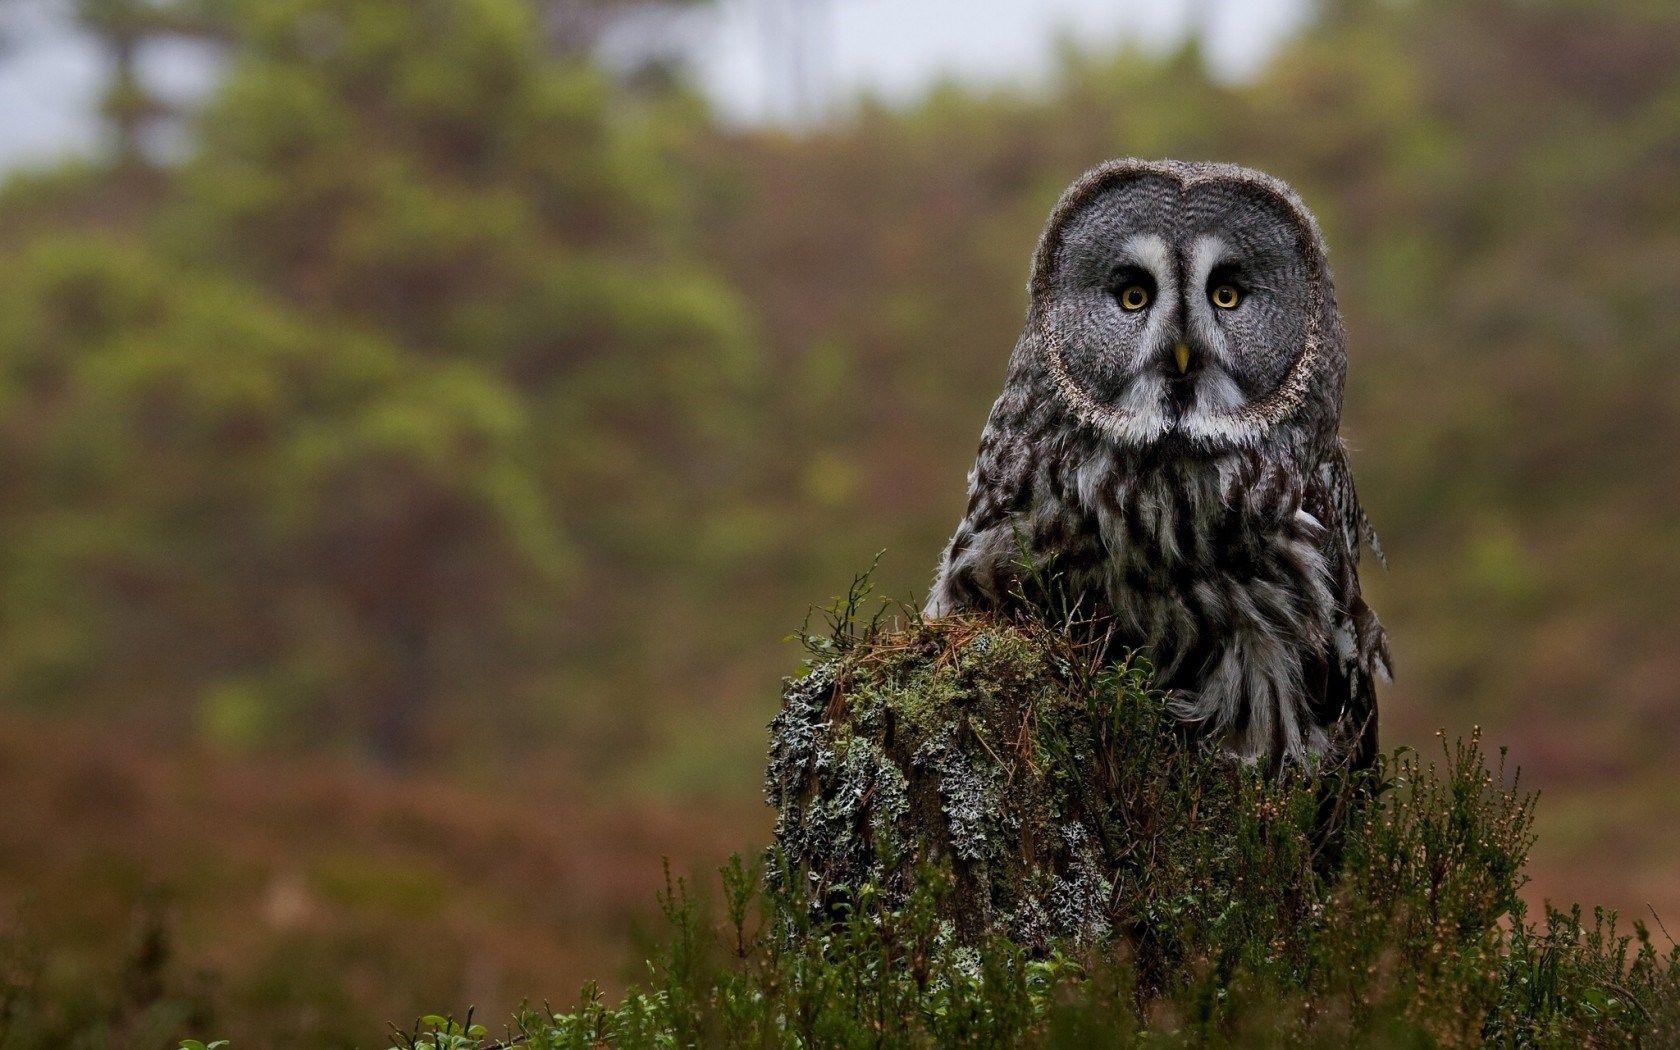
[897, 47]
[894, 48]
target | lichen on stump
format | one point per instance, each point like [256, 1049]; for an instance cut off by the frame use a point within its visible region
[1049, 786]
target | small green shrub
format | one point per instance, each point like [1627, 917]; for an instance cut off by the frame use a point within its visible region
[899, 911]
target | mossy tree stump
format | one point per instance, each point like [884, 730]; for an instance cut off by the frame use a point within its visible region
[1049, 788]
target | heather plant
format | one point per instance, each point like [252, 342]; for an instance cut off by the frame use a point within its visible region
[988, 838]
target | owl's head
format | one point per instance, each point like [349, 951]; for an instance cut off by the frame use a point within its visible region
[1185, 303]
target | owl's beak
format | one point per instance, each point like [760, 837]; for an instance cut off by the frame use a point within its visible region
[1181, 357]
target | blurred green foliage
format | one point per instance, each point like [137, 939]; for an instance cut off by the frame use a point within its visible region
[311, 438]
[444, 397]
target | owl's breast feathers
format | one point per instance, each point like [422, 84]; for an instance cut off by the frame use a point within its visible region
[1236, 573]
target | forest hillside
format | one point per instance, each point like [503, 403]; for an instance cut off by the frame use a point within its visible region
[412, 469]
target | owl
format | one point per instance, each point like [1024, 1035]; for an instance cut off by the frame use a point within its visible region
[1166, 450]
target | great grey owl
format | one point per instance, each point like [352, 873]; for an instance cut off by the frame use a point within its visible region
[1166, 449]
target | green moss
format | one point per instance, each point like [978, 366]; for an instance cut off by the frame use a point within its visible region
[985, 750]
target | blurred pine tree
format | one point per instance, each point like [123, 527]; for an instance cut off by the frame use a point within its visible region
[322, 419]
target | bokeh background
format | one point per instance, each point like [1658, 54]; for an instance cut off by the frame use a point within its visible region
[423, 422]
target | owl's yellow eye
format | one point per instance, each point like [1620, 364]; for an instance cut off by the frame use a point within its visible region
[1134, 297]
[1226, 297]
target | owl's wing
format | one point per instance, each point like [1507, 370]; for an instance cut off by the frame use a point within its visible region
[1343, 684]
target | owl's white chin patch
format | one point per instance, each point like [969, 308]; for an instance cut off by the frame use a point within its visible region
[1144, 412]
[1215, 392]
[1149, 411]
[1214, 416]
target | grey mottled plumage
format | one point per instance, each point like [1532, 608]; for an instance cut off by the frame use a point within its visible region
[1166, 445]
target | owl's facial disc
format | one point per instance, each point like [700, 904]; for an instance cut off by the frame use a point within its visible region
[1172, 311]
